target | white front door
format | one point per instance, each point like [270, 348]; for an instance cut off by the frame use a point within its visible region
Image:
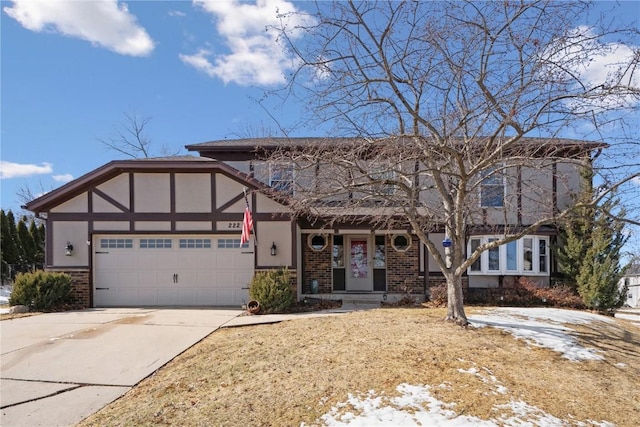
[359, 263]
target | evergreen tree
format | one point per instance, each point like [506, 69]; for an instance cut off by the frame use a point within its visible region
[26, 245]
[600, 270]
[575, 234]
[37, 234]
[9, 245]
[590, 250]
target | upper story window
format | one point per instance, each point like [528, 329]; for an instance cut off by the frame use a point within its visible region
[281, 177]
[528, 255]
[492, 188]
[383, 177]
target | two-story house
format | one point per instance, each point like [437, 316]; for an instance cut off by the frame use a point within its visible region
[166, 231]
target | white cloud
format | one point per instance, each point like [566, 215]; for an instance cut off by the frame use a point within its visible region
[17, 170]
[255, 54]
[599, 66]
[105, 23]
[62, 178]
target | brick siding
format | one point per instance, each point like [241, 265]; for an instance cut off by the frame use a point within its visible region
[81, 286]
[316, 265]
[403, 268]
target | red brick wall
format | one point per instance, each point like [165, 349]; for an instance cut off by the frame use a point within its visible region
[403, 268]
[316, 265]
[81, 287]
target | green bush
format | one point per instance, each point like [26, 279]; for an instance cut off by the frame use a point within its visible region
[272, 289]
[41, 290]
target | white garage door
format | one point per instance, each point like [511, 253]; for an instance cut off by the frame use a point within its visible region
[171, 271]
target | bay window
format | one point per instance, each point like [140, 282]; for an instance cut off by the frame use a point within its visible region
[528, 255]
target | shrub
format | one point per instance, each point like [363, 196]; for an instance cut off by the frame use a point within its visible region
[438, 295]
[41, 290]
[272, 289]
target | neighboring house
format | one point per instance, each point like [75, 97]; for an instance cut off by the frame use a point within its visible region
[166, 232]
[632, 280]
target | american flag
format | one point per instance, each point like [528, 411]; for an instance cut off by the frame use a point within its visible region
[247, 222]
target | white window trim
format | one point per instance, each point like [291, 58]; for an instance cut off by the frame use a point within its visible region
[520, 271]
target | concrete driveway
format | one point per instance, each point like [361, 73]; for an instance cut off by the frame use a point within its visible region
[59, 368]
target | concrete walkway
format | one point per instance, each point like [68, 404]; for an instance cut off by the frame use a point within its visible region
[59, 368]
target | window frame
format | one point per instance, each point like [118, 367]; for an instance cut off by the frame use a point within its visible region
[492, 179]
[278, 172]
[504, 268]
[310, 241]
[398, 248]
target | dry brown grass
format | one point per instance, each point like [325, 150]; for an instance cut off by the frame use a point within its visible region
[293, 372]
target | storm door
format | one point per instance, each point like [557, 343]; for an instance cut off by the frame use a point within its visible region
[359, 263]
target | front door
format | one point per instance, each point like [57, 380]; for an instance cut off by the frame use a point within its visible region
[359, 265]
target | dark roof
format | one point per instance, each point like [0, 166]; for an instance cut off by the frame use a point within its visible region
[117, 167]
[266, 144]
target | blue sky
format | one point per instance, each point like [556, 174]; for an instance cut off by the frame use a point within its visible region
[71, 70]
[67, 82]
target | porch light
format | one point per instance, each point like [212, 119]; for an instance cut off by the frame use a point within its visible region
[446, 242]
[68, 248]
[274, 249]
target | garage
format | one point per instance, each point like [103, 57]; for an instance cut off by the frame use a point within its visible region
[171, 270]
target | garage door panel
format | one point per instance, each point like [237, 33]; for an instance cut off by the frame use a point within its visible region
[187, 297]
[167, 296]
[171, 270]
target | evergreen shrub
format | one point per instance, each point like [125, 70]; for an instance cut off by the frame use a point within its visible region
[272, 289]
[41, 290]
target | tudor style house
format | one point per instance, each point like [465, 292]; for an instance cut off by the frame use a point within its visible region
[166, 232]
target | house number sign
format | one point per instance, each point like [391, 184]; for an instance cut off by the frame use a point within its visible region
[229, 225]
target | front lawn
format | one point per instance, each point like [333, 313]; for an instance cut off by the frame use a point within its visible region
[398, 367]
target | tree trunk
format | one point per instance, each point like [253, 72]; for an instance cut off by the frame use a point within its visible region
[455, 305]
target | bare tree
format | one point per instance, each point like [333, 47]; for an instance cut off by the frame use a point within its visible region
[130, 138]
[445, 98]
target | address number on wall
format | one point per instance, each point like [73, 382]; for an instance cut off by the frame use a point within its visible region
[229, 225]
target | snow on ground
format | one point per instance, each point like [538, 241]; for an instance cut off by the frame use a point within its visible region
[416, 406]
[5, 291]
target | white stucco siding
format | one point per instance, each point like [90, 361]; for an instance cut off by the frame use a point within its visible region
[152, 192]
[193, 192]
[77, 234]
[78, 204]
[116, 188]
[227, 189]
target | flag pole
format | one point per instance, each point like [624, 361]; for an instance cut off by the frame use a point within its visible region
[247, 223]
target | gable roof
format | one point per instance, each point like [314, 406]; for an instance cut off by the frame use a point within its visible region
[149, 165]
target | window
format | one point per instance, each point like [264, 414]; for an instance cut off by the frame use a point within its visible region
[338, 252]
[475, 244]
[529, 255]
[281, 177]
[542, 255]
[492, 188]
[231, 244]
[494, 257]
[195, 243]
[116, 243]
[381, 177]
[401, 242]
[317, 242]
[155, 243]
[512, 256]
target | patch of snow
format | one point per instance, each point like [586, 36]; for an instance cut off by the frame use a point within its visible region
[415, 406]
[543, 327]
[5, 293]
